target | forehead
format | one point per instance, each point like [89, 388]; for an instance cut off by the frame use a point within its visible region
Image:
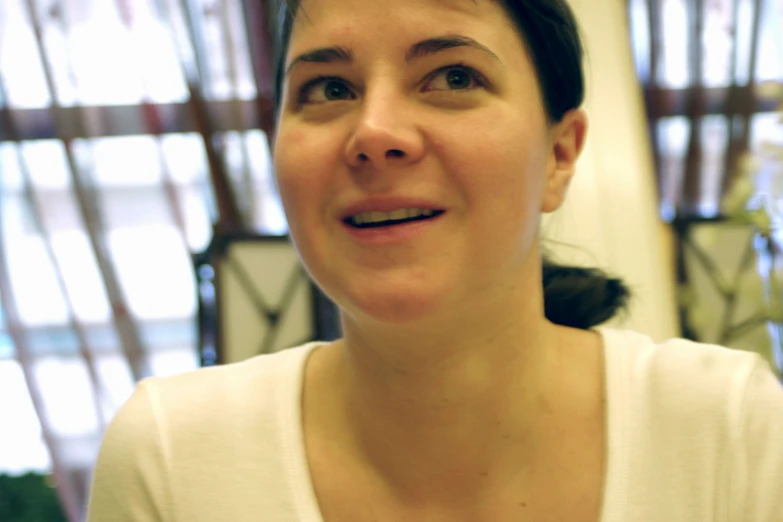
[465, 6]
[322, 21]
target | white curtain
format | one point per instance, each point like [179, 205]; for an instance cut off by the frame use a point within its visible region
[610, 219]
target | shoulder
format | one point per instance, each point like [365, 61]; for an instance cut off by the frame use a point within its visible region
[695, 410]
[680, 372]
[208, 394]
[203, 404]
[679, 395]
[216, 384]
[179, 433]
[758, 469]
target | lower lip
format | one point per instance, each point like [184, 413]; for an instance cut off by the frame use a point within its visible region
[392, 233]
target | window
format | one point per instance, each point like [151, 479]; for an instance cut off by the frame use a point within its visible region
[709, 91]
[105, 223]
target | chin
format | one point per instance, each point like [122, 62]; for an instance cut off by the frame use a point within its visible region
[394, 307]
[398, 312]
[393, 297]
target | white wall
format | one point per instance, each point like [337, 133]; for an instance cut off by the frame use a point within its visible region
[611, 213]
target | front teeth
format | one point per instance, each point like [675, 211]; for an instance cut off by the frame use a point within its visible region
[396, 215]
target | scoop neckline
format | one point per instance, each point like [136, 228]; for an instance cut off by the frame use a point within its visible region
[307, 508]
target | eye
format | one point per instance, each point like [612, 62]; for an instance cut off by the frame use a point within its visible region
[455, 78]
[324, 89]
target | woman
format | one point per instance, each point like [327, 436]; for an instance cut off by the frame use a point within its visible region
[418, 143]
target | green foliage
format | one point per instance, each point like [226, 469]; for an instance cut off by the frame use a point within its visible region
[760, 205]
[29, 498]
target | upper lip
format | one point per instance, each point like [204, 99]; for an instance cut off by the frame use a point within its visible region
[387, 204]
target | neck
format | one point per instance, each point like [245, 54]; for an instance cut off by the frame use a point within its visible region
[449, 415]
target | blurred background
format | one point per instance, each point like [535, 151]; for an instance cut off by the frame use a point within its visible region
[140, 231]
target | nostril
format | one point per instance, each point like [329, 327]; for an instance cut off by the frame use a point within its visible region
[391, 153]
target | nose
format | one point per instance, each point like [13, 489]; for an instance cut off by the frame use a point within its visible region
[386, 134]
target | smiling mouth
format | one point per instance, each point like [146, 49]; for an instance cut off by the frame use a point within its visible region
[359, 222]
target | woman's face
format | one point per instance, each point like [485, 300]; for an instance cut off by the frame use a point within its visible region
[425, 105]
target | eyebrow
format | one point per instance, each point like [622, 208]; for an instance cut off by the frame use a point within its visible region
[418, 50]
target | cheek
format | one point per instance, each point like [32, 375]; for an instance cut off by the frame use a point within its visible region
[298, 197]
[503, 166]
[306, 171]
[501, 176]
[299, 170]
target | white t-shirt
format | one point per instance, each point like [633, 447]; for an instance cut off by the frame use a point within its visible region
[695, 434]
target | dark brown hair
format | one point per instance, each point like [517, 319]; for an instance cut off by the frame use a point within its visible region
[573, 296]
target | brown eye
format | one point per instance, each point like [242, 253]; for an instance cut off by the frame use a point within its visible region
[458, 79]
[321, 90]
[454, 78]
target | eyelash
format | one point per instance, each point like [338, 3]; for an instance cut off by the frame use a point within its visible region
[476, 76]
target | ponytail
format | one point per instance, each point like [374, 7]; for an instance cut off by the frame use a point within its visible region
[581, 297]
